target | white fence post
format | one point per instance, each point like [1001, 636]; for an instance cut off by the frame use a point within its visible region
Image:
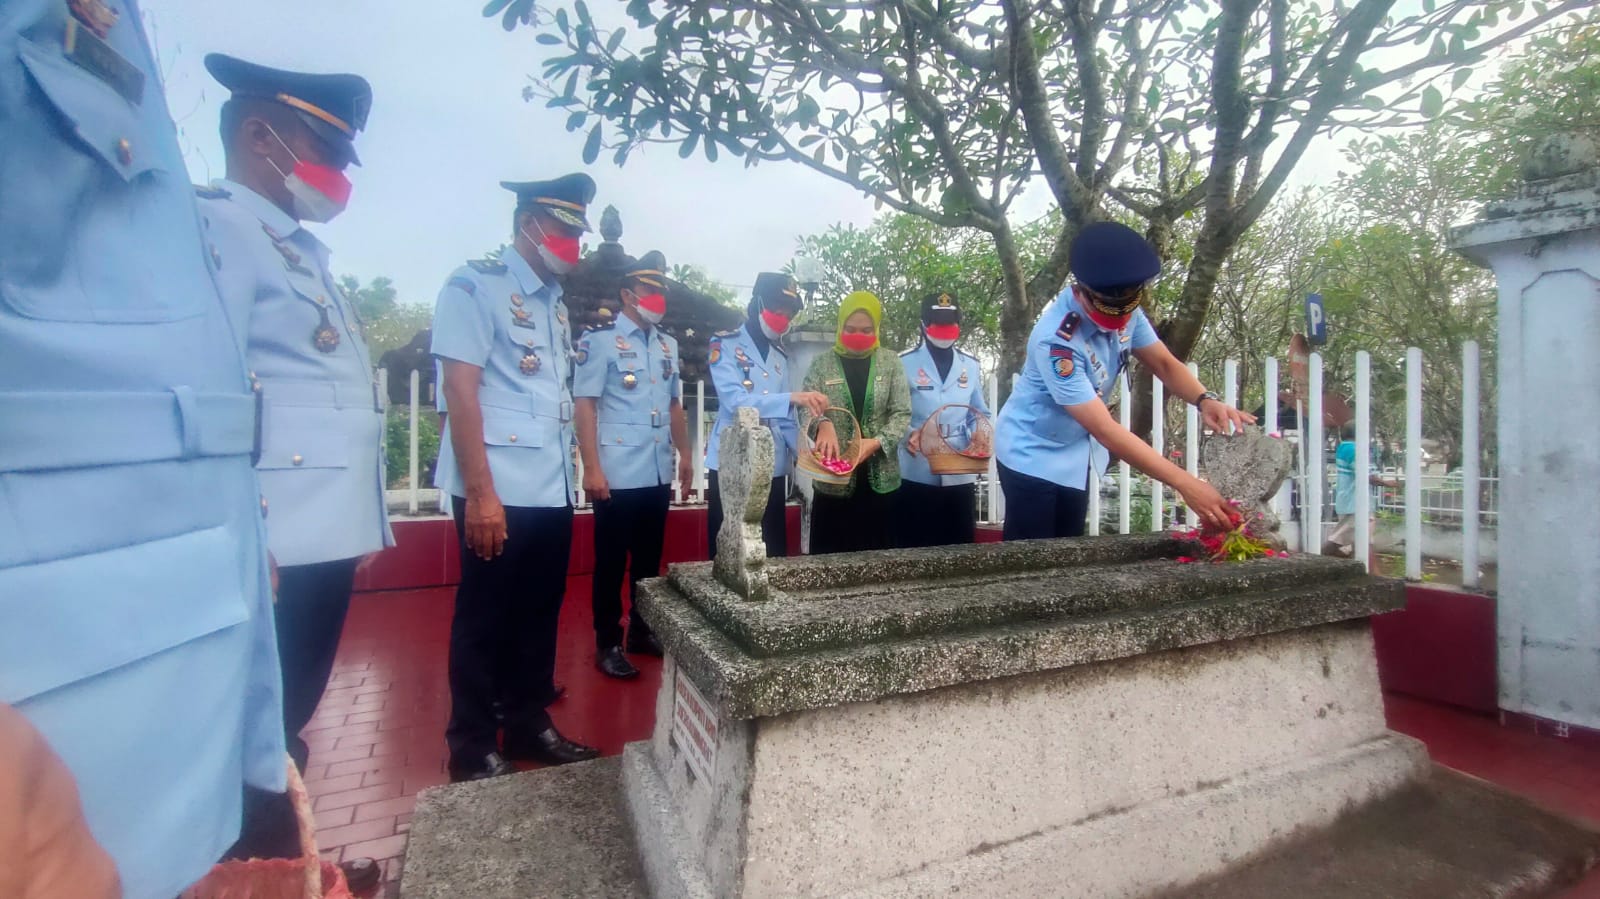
[1469, 464]
[1191, 447]
[700, 440]
[1158, 440]
[997, 498]
[1125, 473]
[1363, 509]
[1094, 502]
[1230, 385]
[1414, 463]
[414, 466]
[1311, 503]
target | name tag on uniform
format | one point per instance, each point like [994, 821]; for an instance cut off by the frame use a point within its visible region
[924, 386]
[99, 59]
[630, 354]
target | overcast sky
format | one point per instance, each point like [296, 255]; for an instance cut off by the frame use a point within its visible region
[448, 124]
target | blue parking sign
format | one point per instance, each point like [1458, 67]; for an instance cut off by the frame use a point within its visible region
[1316, 321]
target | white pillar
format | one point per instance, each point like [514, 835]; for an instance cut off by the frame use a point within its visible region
[1230, 384]
[1413, 464]
[700, 429]
[1544, 247]
[1363, 509]
[1311, 501]
[1191, 446]
[1158, 441]
[415, 463]
[1470, 453]
[1125, 479]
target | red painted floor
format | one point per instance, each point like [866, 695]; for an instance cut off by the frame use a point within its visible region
[378, 736]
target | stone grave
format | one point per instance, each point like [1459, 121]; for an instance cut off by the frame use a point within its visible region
[1044, 718]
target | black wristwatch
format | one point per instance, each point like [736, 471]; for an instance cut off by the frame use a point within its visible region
[1208, 395]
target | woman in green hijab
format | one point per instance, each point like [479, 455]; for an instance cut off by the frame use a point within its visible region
[862, 376]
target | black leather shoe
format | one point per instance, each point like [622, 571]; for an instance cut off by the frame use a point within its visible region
[644, 644]
[612, 663]
[491, 765]
[549, 747]
[362, 875]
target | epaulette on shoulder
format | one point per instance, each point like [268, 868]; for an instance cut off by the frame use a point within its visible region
[905, 353]
[487, 266]
[732, 332]
[602, 326]
[209, 192]
[969, 356]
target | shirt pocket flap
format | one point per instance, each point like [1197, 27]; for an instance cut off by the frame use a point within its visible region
[624, 434]
[71, 619]
[303, 437]
[512, 430]
[105, 122]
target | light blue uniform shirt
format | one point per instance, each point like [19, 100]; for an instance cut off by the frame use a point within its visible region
[963, 385]
[744, 377]
[322, 466]
[502, 317]
[633, 373]
[135, 613]
[1070, 360]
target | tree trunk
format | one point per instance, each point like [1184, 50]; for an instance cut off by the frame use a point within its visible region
[1016, 315]
[1181, 330]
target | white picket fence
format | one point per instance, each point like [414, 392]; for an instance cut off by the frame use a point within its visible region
[1312, 477]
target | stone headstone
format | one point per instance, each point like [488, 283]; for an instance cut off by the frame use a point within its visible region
[743, 478]
[1248, 467]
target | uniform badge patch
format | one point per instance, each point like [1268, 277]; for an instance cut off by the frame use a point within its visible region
[580, 354]
[716, 352]
[1063, 366]
[962, 381]
[629, 380]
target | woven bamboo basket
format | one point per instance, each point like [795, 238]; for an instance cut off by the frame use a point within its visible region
[957, 439]
[306, 877]
[849, 433]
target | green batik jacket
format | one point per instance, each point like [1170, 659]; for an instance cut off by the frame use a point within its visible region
[887, 408]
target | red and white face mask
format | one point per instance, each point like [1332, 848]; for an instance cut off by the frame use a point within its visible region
[652, 307]
[774, 324]
[943, 336]
[318, 192]
[559, 252]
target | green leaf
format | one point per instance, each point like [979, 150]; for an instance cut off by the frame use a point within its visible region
[809, 139]
[1461, 77]
[711, 150]
[583, 13]
[1432, 101]
[1372, 102]
[614, 42]
[576, 120]
[1152, 97]
[562, 22]
[687, 149]
[494, 7]
[547, 38]
[591, 147]
[821, 155]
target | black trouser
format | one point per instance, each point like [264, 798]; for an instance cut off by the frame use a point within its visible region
[926, 515]
[774, 522]
[309, 614]
[503, 633]
[632, 523]
[309, 617]
[1037, 509]
[854, 523]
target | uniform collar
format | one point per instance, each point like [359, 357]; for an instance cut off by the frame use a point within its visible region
[277, 221]
[626, 326]
[523, 272]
